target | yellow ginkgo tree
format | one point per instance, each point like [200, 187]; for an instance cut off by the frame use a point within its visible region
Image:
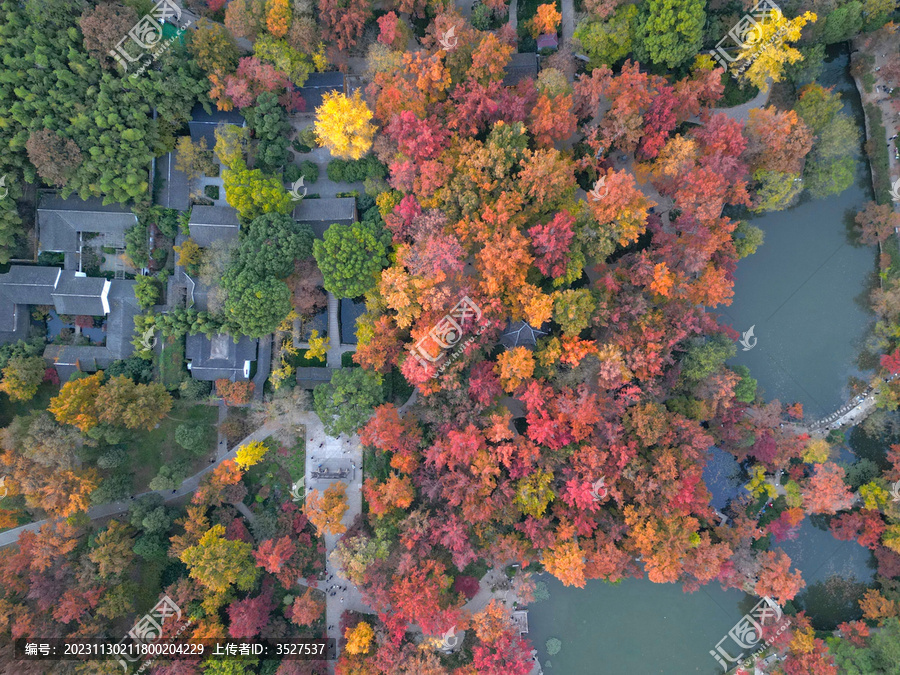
[344, 125]
[765, 55]
[359, 639]
[250, 454]
[318, 346]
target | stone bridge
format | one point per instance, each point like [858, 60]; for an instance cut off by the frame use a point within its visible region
[853, 412]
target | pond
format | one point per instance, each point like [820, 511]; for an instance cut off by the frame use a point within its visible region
[55, 326]
[805, 292]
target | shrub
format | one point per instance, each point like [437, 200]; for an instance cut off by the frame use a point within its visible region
[170, 476]
[112, 458]
[51, 259]
[192, 437]
[147, 291]
[482, 17]
[235, 393]
[160, 255]
[234, 428]
[309, 170]
[877, 151]
[467, 585]
[306, 138]
[136, 245]
[134, 367]
[194, 390]
[211, 191]
[291, 173]
[166, 220]
[355, 170]
[117, 486]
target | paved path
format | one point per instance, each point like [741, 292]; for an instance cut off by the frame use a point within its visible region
[513, 14]
[321, 157]
[853, 412]
[568, 23]
[263, 366]
[222, 445]
[334, 332]
[465, 8]
[245, 511]
[889, 117]
[741, 112]
[187, 487]
[335, 453]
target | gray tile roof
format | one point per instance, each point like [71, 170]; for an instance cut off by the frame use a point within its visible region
[212, 223]
[68, 359]
[81, 295]
[14, 321]
[310, 378]
[219, 357]
[320, 213]
[521, 334]
[70, 294]
[203, 124]
[9, 317]
[30, 285]
[66, 291]
[350, 311]
[120, 323]
[317, 85]
[60, 220]
[520, 67]
[174, 190]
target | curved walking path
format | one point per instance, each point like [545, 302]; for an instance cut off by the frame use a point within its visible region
[187, 486]
[853, 412]
[741, 112]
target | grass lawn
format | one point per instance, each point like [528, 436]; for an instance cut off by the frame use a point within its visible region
[150, 450]
[9, 409]
[277, 473]
[294, 459]
[301, 360]
[892, 248]
[171, 363]
[733, 94]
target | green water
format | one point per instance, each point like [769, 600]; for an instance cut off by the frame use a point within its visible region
[805, 291]
[633, 628]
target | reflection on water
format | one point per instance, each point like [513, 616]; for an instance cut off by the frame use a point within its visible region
[832, 601]
[805, 291]
[723, 477]
[634, 628]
